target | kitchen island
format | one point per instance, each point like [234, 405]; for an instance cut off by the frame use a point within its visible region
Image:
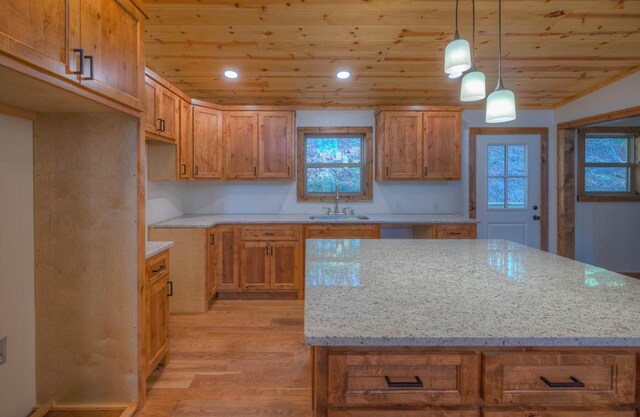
[425, 328]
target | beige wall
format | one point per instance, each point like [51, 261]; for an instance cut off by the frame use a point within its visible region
[17, 316]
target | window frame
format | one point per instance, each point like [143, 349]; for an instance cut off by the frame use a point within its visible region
[633, 164]
[366, 133]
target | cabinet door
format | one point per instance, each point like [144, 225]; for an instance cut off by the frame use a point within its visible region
[227, 257]
[207, 143]
[254, 265]
[241, 144]
[185, 142]
[169, 109]
[402, 150]
[211, 277]
[151, 114]
[284, 265]
[157, 331]
[111, 34]
[275, 144]
[36, 31]
[442, 145]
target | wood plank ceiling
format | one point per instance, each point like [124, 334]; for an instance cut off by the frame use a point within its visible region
[288, 51]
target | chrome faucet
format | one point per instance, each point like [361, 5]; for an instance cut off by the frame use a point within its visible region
[336, 210]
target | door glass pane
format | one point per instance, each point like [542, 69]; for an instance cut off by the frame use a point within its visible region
[608, 150]
[495, 196]
[516, 192]
[517, 161]
[606, 179]
[495, 158]
[323, 180]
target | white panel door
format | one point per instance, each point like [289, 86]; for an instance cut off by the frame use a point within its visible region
[508, 188]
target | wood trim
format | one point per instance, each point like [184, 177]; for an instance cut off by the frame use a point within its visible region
[142, 254]
[419, 108]
[368, 172]
[543, 132]
[632, 274]
[148, 72]
[600, 118]
[17, 112]
[43, 409]
[566, 204]
[130, 410]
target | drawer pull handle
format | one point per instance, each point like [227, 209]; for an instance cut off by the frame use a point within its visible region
[576, 383]
[161, 268]
[455, 233]
[270, 234]
[170, 292]
[404, 384]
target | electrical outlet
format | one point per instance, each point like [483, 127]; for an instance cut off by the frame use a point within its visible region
[221, 207]
[3, 350]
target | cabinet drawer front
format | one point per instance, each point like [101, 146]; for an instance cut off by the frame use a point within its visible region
[270, 233]
[403, 379]
[559, 378]
[574, 412]
[331, 231]
[439, 412]
[458, 231]
[157, 267]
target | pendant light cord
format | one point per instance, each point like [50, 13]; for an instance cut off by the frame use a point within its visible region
[473, 35]
[456, 35]
[500, 86]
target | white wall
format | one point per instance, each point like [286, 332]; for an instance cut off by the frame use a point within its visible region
[17, 302]
[607, 233]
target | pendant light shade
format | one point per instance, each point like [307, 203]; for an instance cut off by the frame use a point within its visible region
[501, 106]
[457, 56]
[473, 86]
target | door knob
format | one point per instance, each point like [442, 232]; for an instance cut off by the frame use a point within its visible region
[536, 217]
[535, 207]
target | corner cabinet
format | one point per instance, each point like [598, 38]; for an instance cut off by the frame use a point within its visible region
[97, 44]
[241, 144]
[418, 145]
[162, 114]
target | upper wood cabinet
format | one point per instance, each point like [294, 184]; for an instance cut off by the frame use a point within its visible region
[185, 142]
[241, 144]
[96, 43]
[207, 143]
[275, 144]
[414, 145]
[162, 116]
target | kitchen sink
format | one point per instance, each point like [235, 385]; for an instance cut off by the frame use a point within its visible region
[338, 217]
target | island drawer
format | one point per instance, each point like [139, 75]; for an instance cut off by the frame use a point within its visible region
[558, 378]
[387, 379]
[455, 231]
[270, 232]
[571, 412]
[436, 412]
[342, 231]
[156, 267]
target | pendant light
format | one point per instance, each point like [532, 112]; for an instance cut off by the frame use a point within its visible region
[473, 87]
[501, 104]
[457, 55]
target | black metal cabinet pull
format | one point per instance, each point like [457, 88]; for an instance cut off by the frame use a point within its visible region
[426, 171]
[162, 267]
[170, 293]
[90, 59]
[404, 384]
[80, 61]
[184, 169]
[575, 384]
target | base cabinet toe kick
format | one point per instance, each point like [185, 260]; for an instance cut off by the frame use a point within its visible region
[466, 382]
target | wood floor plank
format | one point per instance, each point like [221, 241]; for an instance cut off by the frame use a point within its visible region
[241, 358]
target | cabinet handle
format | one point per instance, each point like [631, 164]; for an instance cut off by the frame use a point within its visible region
[404, 384]
[159, 128]
[90, 58]
[163, 125]
[184, 169]
[455, 233]
[387, 171]
[162, 267]
[288, 170]
[79, 61]
[255, 171]
[212, 239]
[426, 171]
[576, 383]
[196, 170]
[170, 284]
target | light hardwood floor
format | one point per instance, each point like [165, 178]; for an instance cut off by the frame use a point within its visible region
[241, 358]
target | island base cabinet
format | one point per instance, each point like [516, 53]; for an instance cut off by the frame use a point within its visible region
[574, 412]
[435, 412]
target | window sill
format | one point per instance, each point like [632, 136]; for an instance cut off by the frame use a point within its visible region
[620, 198]
[331, 198]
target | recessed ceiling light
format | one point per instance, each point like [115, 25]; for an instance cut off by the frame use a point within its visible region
[231, 74]
[343, 75]
[455, 75]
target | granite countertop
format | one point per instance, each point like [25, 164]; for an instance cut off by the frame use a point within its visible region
[462, 293]
[210, 220]
[154, 248]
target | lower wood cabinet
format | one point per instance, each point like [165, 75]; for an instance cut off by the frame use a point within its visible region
[227, 258]
[435, 412]
[573, 412]
[342, 231]
[155, 321]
